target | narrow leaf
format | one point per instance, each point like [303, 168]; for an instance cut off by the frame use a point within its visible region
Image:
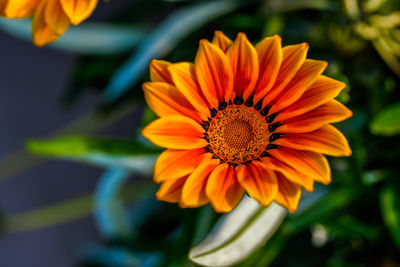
[390, 208]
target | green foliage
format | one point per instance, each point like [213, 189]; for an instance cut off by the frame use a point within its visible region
[387, 122]
[390, 207]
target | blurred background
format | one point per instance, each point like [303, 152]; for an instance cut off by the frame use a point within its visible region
[75, 175]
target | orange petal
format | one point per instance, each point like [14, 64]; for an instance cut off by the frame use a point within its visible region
[293, 57]
[55, 17]
[303, 79]
[176, 132]
[21, 8]
[78, 10]
[221, 40]
[194, 190]
[2, 6]
[223, 189]
[288, 193]
[184, 78]
[213, 73]
[244, 62]
[331, 112]
[269, 53]
[172, 164]
[327, 140]
[159, 71]
[165, 99]
[258, 181]
[309, 163]
[171, 190]
[320, 92]
[289, 172]
[41, 32]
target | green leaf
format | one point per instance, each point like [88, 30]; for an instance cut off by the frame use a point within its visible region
[390, 208]
[238, 234]
[387, 122]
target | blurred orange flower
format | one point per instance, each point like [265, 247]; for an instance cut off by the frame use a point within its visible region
[243, 118]
[51, 18]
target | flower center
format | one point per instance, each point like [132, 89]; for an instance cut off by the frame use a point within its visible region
[238, 134]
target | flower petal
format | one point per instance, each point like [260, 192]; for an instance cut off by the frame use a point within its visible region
[21, 8]
[244, 62]
[213, 73]
[2, 6]
[176, 132]
[259, 182]
[55, 17]
[293, 57]
[172, 164]
[303, 79]
[269, 53]
[78, 10]
[309, 163]
[41, 32]
[221, 40]
[327, 140]
[289, 172]
[165, 99]
[184, 78]
[321, 91]
[331, 112]
[223, 189]
[171, 190]
[159, 71]
[288, 193]
[194, 190]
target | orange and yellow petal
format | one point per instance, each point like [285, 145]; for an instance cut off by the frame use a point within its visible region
[259, 182]
[327, 140]
[288, 194]
[172, 164]
[41, 32]
[78, 10]
[165, 100]
[321, 91]
[223, 189]
[159, 71]
[194, 190]
[21, 8]
[171, 190]
[221, 41]
[55, 17]
[269, 53]
[244, 62]
[331, 112]
[214, 73]
[176, 132]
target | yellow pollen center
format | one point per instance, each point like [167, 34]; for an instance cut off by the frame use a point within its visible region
[238, 134]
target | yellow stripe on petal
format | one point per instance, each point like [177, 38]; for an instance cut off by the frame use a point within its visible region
[293, 57]
[223, 190]
[184, 78]
[331, 112]
[194, 190]
[303, 79]
[55, 17]
[327, 140]
[41, 32]
[176, 132]
[214, 73]
[78, 10]
[259, 182]
[269, 53]
[244, 62]
[159, 71]
[21, 8]
[221, 40]
[172, 164]
[288, 193]
[321, 91]
[171, 190]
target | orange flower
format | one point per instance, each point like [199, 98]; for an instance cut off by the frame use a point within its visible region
[243, 118]
[51, 18]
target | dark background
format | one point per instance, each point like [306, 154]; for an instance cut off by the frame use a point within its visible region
[33, 82]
